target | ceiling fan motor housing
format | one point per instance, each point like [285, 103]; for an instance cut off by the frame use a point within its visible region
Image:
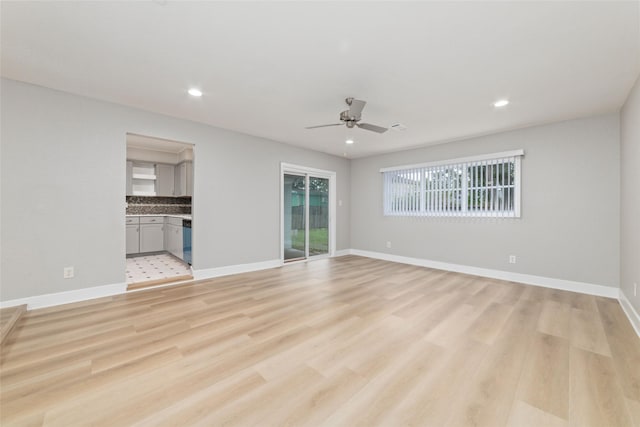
[346, 117]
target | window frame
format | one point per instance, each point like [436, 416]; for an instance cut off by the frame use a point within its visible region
[417, 202]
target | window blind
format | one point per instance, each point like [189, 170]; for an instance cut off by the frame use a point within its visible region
[483, 186]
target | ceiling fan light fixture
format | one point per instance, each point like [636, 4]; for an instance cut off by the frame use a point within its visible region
[349, 141]
[501, 103]
[195, 92]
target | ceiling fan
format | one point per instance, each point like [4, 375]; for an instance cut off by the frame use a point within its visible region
[352, 117]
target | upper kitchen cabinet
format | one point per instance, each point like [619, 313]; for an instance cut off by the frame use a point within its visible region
[143, 179]
[169, 167]
[129, 178]
[165, 180]
[184, 179]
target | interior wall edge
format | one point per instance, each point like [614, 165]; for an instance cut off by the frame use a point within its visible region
[632, 314]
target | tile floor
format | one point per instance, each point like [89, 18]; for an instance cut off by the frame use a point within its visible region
[155, 267]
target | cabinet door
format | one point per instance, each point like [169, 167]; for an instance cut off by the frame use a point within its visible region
[167, 237]
[189, 178]
[177, 247]
[151, 237]
[178, 180]
[129, 190]
[133, 239]
[173, 243]
[165, 180]
[184, 179]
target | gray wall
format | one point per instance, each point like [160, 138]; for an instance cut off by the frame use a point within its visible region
[630, 196]
[63, 190]
[570, 221]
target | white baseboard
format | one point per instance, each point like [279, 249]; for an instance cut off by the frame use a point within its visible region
[210, 273]
[48, 300]
[342, 252]
[631, 313]
[59, 298]
[547, 282]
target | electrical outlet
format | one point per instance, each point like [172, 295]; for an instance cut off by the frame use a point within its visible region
[67, 273]
[388, 245]
[512, 259]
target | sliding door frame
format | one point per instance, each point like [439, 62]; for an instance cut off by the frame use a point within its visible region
[288, 168]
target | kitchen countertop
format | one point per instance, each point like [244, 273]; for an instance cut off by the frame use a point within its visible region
[183, 216]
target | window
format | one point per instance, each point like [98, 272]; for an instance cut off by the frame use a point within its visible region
[482, 186]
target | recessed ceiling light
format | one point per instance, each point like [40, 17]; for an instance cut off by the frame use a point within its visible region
[349, 141]
[195, 92]
[501, 103]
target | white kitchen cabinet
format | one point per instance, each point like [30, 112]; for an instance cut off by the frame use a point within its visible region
[165, 180]
[133, 239]
[151, 237]
[173, 238]
[143, 179]
[189, 178]
[184, 179]
[129, 190]
[152, 219]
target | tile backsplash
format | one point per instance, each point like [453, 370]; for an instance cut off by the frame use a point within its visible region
[146, 205]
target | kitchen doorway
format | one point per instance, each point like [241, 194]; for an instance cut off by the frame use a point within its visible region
[159, 221]
[307, 213]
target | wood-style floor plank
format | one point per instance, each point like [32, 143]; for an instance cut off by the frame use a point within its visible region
[588, 333]
[625, 351]
[544, 382]
[523, 415]
[346, 341]
[555, 319]
[597, 399]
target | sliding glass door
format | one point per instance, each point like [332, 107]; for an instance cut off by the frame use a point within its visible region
[295, 224]
[318, 216]
[306, 215]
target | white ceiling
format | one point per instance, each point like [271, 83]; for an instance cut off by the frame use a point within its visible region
[270, 69]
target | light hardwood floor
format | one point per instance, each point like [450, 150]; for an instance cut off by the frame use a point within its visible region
[343, 342]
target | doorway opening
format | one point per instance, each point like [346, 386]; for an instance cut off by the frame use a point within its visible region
[159, 200]
[307, 213]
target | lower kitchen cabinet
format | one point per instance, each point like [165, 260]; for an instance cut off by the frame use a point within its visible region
[173, 239]
[151, 237]
[155, 234]
[133, 239]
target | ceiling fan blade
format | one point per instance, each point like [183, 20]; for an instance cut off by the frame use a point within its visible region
[371, 127]
[324, 126]
[355, 109]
